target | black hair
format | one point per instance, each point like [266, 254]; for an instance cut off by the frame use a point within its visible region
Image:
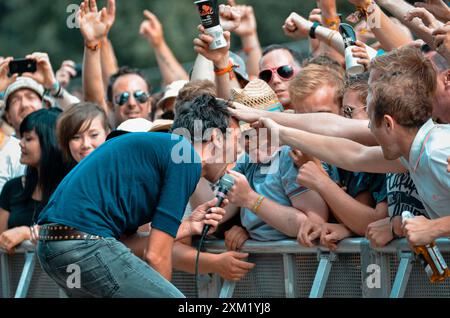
[124, 70]
[212, 112]
[52, 167]
[297, 56]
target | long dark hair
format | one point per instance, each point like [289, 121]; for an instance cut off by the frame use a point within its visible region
[52, 168]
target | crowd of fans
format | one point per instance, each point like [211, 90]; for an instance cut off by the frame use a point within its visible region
[353, 153]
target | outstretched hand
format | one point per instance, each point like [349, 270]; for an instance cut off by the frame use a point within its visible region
[94, 24]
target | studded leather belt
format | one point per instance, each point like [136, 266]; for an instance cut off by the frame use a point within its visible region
[56, 232]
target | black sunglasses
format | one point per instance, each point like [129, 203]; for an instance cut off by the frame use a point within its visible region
[140, 96]
[285, 72]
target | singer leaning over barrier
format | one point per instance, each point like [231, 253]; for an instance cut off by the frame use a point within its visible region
[129, 181]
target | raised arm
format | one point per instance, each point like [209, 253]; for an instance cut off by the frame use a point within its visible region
[108, 61]
[438, 8]
[152, 30]
[399, 9]
[386, 31]
[94, 28]
[44, 75]
[220, 59]
[108, 57]
[248, 33]
[297, 27]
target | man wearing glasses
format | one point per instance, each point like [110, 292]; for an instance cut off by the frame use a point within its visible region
[129, 95]
[278, 66]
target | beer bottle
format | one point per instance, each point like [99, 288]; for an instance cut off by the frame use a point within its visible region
[430, 257]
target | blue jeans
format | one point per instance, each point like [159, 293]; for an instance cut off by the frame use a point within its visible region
[107, 268]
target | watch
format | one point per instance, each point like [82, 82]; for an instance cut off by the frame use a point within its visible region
[312, 31]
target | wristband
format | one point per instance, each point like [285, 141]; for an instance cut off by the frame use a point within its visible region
[223, 71]
[93, 47]
[312, 31]
[56, 90]
[247, 50]
[333, 23]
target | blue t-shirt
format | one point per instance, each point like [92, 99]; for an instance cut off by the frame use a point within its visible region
[275, 180]
[127, 182]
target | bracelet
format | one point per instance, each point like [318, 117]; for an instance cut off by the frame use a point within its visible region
[33, 235]
[258, 203]
[333, 23]
[56, 90]
[248, 50]
[223, 71]
[312, 31]
[93, 47]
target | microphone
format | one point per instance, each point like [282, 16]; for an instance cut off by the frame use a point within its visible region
[225, 184]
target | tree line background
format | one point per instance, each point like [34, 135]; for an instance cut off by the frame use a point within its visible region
[27, 26]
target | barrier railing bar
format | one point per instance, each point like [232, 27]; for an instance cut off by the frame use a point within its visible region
[402, 276]
[288, 266]
[6, 283]
[227, 289]
[346, 246]
[321, 278]
[27, 274]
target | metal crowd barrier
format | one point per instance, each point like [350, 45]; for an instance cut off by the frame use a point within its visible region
[283, 269]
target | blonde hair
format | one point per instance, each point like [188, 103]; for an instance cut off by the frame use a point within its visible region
[314, 76]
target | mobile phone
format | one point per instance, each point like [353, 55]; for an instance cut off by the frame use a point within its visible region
[22, 66]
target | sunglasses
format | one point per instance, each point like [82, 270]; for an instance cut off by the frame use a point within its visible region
[348, 110]
[285, 72]
[140, 96]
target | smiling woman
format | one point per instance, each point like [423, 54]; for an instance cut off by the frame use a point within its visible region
[80, 130]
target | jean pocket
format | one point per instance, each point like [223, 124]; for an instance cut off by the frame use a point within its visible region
[90, 275]
[54, 249]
